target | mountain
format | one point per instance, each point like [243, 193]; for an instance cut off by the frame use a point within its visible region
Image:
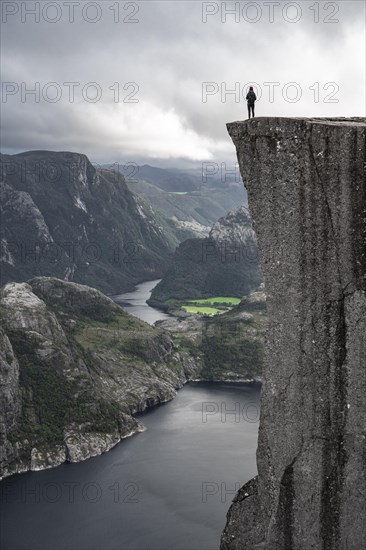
[224, 264]
[60, 216]
[191, 199]
[74, 367]
[192, 213]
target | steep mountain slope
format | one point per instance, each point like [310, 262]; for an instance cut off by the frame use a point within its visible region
[224, 264]
[62, 217]
[74, 367]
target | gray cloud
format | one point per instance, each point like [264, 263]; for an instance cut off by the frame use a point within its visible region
[170, 53]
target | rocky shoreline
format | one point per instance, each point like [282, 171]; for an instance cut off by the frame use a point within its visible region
[78, 448]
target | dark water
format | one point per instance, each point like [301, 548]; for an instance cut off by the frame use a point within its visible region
[135, 303]
[166, 488]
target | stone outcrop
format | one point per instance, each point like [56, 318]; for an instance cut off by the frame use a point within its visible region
[74, 368]
[307, 194]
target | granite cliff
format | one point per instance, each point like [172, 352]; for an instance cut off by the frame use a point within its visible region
[307, 194]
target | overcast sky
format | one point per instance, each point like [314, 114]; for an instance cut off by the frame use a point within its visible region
[171, 63]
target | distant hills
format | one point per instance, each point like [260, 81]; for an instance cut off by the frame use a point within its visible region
[209, 174]
[164, 178]
[193, 199]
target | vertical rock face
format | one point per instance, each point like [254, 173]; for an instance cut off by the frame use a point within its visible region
[307, 194]
[10, 396]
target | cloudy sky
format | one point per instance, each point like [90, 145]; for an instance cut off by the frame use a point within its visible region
[151, 81]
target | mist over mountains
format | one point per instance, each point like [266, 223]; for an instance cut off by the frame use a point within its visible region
[207, 174]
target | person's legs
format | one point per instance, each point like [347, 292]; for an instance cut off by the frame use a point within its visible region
[248, 111]
[253, 111]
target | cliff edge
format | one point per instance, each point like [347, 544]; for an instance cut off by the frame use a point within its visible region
[306, 184]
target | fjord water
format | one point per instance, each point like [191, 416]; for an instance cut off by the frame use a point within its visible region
[167, 487]
[135, 303]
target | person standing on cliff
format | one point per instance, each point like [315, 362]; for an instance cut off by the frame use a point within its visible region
[251, 99]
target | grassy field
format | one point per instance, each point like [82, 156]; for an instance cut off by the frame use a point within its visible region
[202, 310]
[210, 306]
[224, 300]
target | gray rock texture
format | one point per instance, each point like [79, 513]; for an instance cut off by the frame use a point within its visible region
[307, 194]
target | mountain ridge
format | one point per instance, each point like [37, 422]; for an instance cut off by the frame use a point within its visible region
[63, 217]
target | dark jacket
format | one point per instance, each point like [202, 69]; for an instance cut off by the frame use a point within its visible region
[251, 98]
